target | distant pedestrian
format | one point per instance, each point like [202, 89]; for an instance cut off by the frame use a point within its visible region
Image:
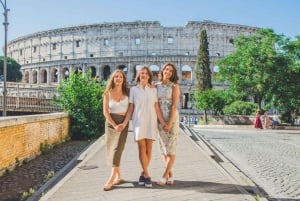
[266, 120]
[257, 122]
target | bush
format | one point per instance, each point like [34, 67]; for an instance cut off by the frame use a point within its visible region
[240, 108]
[81, 97]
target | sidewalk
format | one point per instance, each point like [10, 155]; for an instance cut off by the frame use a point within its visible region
[197, 177]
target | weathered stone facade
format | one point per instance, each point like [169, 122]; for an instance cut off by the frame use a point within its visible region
[49, 56]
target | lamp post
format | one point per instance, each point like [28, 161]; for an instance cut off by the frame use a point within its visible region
[5, 57]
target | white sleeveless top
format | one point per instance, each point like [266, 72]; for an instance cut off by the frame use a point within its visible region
[118, 107]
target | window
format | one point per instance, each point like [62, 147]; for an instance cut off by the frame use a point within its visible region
[91, 55]
[54, 46]
[137, 41]
[170, 40]
[34, 49]
[66, 57]
[21, 52]
[106, 42]
[78, 43]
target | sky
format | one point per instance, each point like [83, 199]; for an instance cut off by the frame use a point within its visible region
[31, 16]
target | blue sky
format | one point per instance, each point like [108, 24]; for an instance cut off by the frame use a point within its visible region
[30, 16]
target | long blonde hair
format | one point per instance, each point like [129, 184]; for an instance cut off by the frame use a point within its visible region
[110, 83]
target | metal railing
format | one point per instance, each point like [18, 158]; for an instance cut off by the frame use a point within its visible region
[29, 98]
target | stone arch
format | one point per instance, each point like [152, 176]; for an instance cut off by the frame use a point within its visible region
[93, 71]
[186, 73]
[26, 77]
[106, 72]
[65, 73]
[34, 76]
[123, 68]
[43, 75]
[155, 72]
[77, 69]
[54, 75]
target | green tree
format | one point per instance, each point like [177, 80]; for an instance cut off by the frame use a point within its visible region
[202, 70]
[13, 70]
[285, 93]
[255, 68]
[213, 100]
[81, 97]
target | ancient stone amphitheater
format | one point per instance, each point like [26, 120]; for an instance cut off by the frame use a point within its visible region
[47, 57]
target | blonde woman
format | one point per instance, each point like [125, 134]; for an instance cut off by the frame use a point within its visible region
[143, 103]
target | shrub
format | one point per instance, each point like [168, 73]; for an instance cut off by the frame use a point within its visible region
[81, 97]
[240, 108]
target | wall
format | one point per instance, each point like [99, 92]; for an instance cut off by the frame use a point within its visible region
[21, 136]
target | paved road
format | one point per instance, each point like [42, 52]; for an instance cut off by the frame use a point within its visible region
[271, 158]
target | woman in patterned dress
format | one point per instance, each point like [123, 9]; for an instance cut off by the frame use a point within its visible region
[168, 97]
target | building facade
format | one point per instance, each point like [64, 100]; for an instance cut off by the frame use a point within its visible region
[48, 57]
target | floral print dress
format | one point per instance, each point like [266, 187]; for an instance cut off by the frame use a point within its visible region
[167, 140]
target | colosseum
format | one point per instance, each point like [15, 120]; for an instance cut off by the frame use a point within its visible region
[47, 57]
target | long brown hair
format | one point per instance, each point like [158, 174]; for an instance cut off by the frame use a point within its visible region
[110, 83]
[174, 78]
[137, 77]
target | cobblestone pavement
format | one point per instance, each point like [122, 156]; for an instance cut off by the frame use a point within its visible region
[32, 174]
[270, 158]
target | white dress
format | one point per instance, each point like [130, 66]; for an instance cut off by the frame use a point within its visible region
[144, 117]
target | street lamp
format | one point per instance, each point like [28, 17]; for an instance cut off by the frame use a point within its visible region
[5, 57]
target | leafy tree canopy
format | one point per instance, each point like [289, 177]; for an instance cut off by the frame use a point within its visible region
[13, 70]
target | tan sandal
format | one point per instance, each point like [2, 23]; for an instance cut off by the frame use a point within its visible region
[108, 187]
[161, 182]
[170, 181]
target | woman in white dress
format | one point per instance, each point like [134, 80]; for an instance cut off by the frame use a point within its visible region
[143, 103]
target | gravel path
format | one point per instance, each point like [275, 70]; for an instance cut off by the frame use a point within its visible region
[34, 173]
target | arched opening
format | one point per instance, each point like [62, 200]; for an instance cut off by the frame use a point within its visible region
[54, 75]
[155, 72]
[106, 72]
[43, 76]
[65, 73]
[26, 77]
[93, 71]
[186, 73]
[34, 77]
